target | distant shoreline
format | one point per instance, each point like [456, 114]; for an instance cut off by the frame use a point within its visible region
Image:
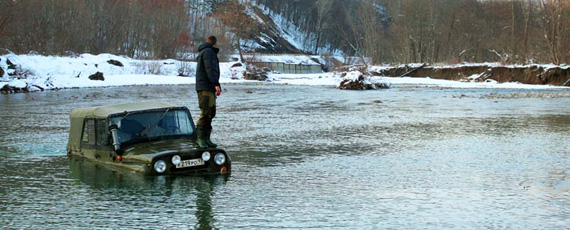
[41, 73]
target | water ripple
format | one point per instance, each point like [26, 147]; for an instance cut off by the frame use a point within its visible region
[304, 157]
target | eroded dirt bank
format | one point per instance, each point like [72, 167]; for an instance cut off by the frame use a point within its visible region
[532, 74]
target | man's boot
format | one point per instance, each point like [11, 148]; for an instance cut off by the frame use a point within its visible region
[200, 141]
[207, 133]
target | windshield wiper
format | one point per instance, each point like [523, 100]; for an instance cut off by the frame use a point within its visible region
[164, 114]
[126, 115]
[154, 125]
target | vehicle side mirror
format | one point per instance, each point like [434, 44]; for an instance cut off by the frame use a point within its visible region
[115, 137]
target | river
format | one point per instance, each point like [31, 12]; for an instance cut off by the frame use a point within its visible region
[305, 157]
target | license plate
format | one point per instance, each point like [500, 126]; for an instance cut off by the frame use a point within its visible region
[190, 163]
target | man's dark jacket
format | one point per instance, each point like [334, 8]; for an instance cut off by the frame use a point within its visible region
[208, 69]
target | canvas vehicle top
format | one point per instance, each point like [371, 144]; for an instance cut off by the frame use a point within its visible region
[149, 137]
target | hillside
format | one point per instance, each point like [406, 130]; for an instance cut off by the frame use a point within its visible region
[279, 35]
[382, 31]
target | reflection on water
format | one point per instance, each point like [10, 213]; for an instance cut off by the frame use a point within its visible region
[171, 192]
[304, 157]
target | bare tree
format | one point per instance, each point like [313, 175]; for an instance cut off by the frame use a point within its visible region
[528, 17]
[552, 20]
[242, 25]
[397, 31]
[354, 37]
[7, 15]
[324, 9]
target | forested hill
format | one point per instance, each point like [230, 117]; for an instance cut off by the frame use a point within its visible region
[387, 31]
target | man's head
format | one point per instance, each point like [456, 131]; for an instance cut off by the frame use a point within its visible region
[212, 40]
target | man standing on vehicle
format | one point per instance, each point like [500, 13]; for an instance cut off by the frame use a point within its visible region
[208, 88]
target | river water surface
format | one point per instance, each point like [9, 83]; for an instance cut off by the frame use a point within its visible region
[304, 157]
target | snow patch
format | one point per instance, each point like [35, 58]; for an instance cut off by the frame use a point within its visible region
[4, 67]
[50, 72]
[251, 13]
[63, 72]
[18, 84]
[476, 76]
[287, 29]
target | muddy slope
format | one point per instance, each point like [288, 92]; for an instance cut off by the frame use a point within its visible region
[527, 75]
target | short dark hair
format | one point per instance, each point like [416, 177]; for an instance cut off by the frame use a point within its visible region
[212, 40]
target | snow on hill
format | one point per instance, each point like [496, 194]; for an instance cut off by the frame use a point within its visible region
[280, 35]
[285, 28]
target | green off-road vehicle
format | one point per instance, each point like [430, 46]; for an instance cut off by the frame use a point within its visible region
[153, 138]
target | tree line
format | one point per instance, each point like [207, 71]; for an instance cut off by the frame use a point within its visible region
[136, 28]
[387, 31]
[434, 31]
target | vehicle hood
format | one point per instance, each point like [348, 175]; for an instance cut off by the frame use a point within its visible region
[148, 151]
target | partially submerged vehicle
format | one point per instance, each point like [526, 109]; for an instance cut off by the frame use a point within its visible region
[153, 138]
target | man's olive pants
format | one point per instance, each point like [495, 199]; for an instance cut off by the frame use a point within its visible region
[207, 103]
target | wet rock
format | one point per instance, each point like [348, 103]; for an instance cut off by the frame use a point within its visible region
[15, 86]
[97, 77]
[115, 62]
[11, 65]
[256, 74]
[16, 71]
[356, 80]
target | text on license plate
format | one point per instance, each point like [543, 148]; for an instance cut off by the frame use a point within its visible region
[190, 163]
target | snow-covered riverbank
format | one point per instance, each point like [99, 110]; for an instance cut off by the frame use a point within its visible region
[51, 72]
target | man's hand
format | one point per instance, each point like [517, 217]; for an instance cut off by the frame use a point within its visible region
[218, 91]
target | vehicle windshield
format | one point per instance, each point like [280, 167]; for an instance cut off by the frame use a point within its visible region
[140, 127]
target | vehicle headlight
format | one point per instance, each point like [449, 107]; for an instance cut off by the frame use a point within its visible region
[160, 166]
[176, 160]
[220, 159]
[206, 156]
